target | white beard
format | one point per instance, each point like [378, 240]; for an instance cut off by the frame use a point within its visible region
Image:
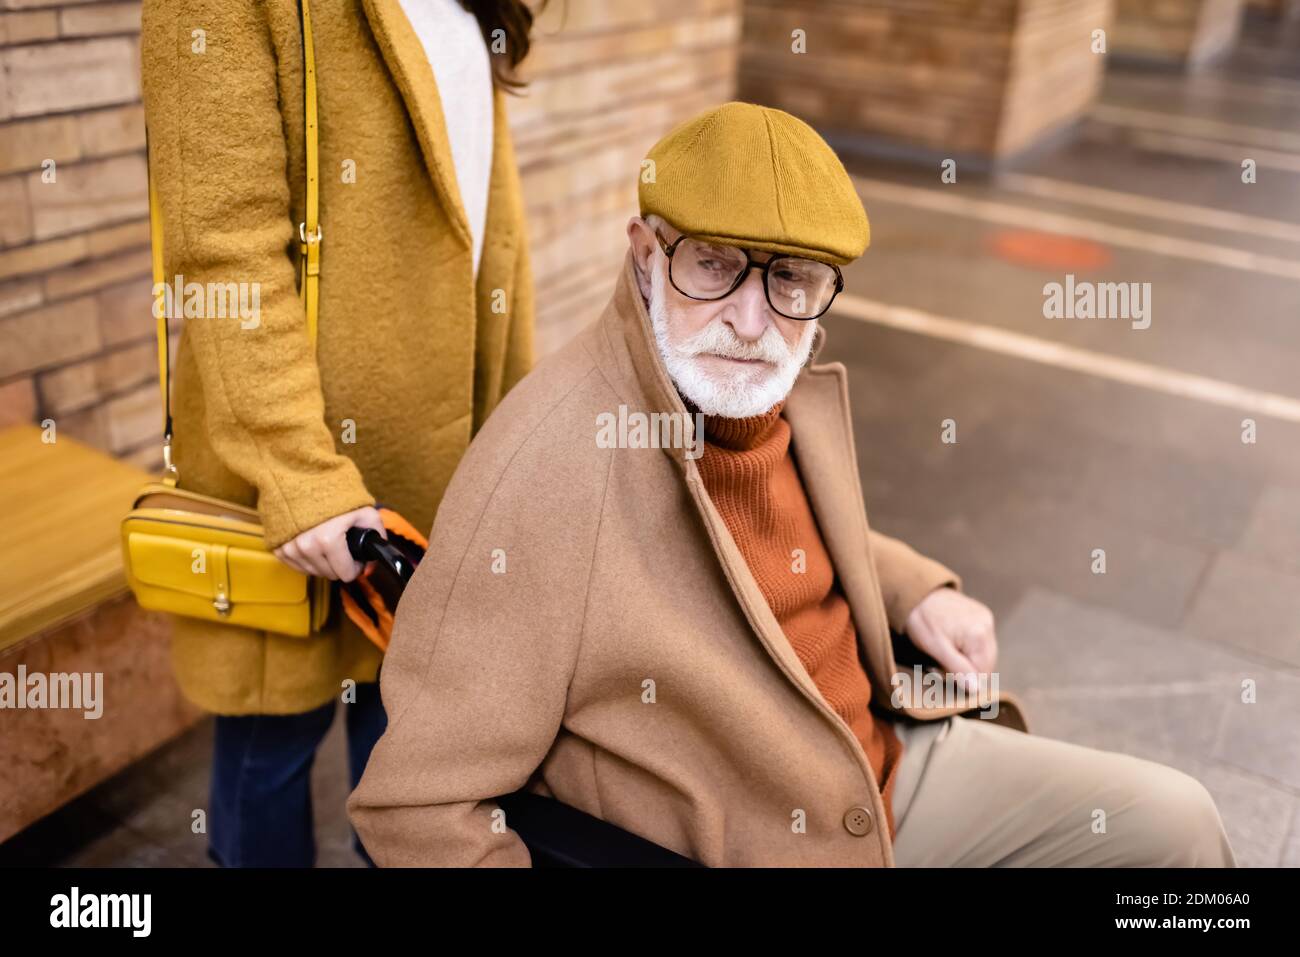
[744, 394]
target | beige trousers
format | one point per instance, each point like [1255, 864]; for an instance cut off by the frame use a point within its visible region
[971, 793]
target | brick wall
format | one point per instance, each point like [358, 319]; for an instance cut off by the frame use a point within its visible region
[76, 335]
[74, 238]
[952, 77]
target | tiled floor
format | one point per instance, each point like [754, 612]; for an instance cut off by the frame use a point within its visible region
[1201, 532]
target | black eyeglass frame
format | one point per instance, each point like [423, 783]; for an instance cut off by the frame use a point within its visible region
[750, 263]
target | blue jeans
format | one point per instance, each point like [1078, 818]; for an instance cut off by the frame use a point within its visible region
[260, 812]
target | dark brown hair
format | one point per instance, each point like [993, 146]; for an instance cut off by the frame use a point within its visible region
[515, 19]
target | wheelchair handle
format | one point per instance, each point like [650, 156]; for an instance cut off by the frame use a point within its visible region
[368, 545]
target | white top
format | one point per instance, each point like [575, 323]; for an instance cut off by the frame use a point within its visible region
[459, 57]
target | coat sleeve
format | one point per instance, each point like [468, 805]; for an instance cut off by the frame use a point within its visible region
[906, 576]
[218, 156]
[485, 645]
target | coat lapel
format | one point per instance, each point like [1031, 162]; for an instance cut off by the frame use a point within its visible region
[822, 444]
[630, 337]
[413, 75]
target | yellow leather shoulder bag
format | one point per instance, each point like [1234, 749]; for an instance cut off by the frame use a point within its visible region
[198, 556]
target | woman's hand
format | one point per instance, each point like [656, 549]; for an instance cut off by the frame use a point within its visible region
[323, 550]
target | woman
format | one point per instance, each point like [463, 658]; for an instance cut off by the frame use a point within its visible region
[425, 321]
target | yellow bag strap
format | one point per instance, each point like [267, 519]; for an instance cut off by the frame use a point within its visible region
[309, 235]
[160, 312]
[309, 231]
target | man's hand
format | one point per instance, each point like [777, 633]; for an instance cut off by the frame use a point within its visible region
[323, 550]
[956, 631]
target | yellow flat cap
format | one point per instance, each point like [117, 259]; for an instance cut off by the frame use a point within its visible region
[753, 176]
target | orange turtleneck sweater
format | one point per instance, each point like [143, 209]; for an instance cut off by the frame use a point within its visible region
[753, 481]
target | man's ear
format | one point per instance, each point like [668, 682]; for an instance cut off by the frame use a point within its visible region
[641, 238]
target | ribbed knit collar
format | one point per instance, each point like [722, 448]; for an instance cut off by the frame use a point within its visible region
[739, 435]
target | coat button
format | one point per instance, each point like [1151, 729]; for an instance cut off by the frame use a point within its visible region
[858, 821]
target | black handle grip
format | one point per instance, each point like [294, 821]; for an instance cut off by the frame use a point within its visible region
[368, 545]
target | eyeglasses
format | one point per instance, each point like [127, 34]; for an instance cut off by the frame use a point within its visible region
[796, 288]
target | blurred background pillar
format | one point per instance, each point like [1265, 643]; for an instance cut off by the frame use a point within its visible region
[1185, 33]
[943, 77]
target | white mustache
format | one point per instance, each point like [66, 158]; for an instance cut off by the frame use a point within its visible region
[718, 339]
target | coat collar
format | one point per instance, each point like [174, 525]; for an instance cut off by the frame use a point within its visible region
[413, 75]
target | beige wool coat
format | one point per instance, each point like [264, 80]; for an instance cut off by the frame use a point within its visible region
[413, 351]
[584, 625]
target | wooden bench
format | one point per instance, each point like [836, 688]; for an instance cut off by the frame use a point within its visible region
[65, 610]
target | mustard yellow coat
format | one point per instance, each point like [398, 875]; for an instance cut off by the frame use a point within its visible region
[413, 353]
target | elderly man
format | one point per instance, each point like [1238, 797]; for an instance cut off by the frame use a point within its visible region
[652, 593]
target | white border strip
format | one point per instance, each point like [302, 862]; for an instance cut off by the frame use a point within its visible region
[1058, 355]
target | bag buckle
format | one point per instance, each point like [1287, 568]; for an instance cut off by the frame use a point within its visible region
[222, 604]
[302, 234]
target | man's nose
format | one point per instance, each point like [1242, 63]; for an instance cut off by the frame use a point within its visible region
[747, 311]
